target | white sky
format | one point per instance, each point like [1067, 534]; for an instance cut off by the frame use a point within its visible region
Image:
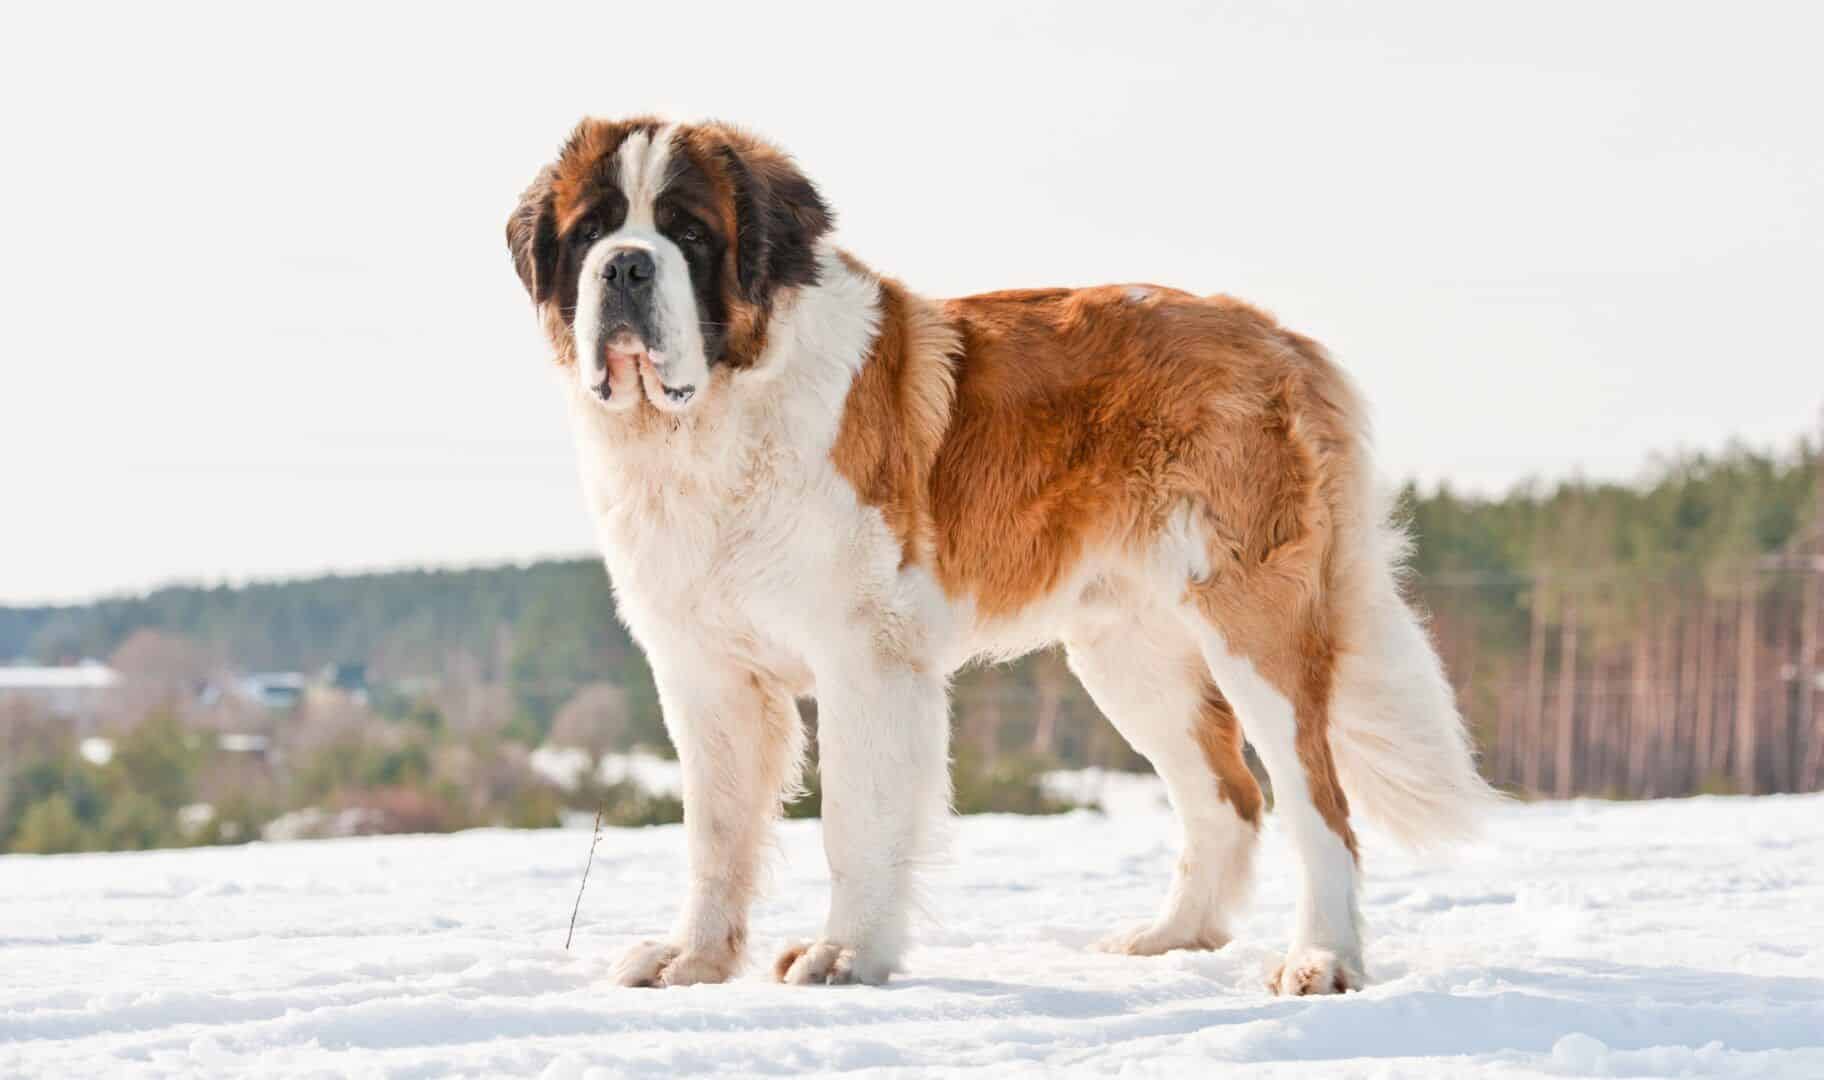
[260, 318]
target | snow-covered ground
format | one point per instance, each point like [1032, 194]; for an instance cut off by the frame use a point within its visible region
[1649, 939]
[565, 766]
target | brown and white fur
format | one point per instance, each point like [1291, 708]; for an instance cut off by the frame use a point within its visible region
[808, 480]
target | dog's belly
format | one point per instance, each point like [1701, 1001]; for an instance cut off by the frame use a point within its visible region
[1092, 596]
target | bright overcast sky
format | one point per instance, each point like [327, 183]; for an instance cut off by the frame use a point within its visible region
[260, 318]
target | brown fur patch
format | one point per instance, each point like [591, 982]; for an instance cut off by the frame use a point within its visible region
[1219, 737]
[709, 146]
[787, 958]
[1081, 419]
[587, 159]
[895, 416]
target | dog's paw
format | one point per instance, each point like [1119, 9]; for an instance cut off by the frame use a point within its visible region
[825, 963]
[643, 964]
[1315, 971]
[1151, 939]
[660, 963]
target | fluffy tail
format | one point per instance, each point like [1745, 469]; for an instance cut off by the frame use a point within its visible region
[1402, 753]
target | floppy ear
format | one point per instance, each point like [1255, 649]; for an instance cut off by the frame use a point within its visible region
[532, 238]
[779, 218]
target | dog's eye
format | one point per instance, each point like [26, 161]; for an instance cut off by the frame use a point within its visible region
[693, 234]
[589, 233]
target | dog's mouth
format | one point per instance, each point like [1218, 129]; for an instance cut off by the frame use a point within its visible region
[621, 355]
[627, 363]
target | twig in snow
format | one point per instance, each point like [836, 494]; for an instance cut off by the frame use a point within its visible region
[594, 839]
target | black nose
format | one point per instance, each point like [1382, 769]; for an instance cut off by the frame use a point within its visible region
[630, 269]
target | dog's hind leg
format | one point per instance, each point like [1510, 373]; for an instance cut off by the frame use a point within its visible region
[1147, 675]
[1274, 659]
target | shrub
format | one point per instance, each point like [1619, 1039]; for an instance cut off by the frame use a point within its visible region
[1008, 784]
[404, 810]
[238, 819]
[534, 808]
[58, 772]
[156, 761]
[49, 826]
[135, 822]
[627, 804]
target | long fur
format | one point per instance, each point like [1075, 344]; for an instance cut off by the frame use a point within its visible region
[865, 489]
[1403, 753]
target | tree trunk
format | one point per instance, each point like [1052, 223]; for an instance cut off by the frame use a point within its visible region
[1709, 764]
[1722, 742]
[1645, 710]
[1562, 774]
[1669, 746]
[1747, 641]
[1533, 723]
[1781, 768]
[1514, 708]
[981, 723]
[1809, 719]
[1048, 671]
[1620, 698]
[1684, 756]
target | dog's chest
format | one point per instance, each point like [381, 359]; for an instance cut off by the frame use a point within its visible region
[673, 542]
[736, 562]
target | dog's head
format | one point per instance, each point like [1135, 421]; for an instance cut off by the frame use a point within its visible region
[655, 253]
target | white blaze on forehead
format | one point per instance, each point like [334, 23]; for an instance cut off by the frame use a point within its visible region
[643, 159]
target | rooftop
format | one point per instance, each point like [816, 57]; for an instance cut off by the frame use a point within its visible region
[88, 675]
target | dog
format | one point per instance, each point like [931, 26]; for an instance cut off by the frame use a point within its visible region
[808, 480]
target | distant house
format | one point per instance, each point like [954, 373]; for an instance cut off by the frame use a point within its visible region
[349, 679]
[76, 691]
[274, 691]
[279, 691]
[284, 691]
[244, 742]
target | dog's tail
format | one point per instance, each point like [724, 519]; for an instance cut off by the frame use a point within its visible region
[1402, 753]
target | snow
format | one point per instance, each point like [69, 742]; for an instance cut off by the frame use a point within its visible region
[1681, 938]
[1114, 792]
[566, 765]
[96, 750]
[561, 765]
[651, 773]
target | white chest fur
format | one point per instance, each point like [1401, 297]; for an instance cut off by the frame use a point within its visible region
[727, 532]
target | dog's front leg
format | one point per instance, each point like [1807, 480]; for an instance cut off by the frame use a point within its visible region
[882, 736]
[739, 742]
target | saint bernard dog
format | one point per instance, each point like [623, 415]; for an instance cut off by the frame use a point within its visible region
[809, 480]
